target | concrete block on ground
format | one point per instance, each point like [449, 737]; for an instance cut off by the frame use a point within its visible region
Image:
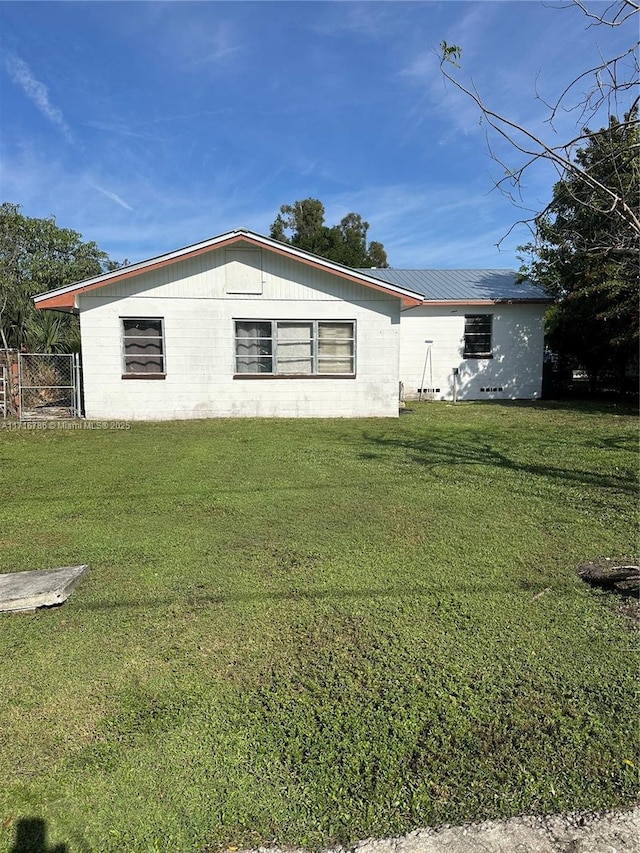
[41, 588]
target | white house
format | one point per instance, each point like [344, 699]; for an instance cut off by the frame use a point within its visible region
[244, 326]
[239, 325]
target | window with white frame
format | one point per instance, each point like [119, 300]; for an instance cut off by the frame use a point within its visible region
[477, 335]
[295, 347]
[143, 347]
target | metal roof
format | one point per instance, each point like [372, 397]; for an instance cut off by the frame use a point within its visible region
[463, 285]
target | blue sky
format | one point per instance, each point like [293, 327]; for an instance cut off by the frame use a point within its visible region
[150, 126]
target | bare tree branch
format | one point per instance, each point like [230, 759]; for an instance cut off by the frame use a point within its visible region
[607, 82]
[529, 143]
[600, 92]
[622, 11]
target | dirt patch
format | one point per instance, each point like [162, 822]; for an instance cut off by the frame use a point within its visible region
[629, 608]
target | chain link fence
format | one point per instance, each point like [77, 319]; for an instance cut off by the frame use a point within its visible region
[49, 386]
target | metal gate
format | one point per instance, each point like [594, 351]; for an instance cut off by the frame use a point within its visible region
[49, 386]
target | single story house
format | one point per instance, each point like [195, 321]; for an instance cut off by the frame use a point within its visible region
[242, 325]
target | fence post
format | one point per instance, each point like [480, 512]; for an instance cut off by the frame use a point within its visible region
[4, 390]
[15, 386]
[77, 380]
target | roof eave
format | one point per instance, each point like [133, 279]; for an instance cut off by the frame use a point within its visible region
[447, 303]
[64, 298]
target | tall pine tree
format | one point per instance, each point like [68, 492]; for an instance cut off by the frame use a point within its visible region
[301, 224]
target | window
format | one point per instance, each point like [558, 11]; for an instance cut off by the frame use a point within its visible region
[295, 347]
[143, 348]
[477, 335]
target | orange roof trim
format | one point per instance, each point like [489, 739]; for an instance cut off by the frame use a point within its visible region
[65, 300]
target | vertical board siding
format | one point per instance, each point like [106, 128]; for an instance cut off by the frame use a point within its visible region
[204, 277]
[243, 271]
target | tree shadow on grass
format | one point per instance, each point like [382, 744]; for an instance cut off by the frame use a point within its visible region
[573, 406]
[434, 452]
[436, 595]
[31, 837]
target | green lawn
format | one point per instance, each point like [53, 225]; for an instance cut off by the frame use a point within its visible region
[303, 632]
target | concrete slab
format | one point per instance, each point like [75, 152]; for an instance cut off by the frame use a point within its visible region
[612, 832]
[30, 590]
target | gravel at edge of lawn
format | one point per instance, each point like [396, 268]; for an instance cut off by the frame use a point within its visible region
[611, 832]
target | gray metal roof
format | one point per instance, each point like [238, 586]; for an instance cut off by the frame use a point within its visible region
[462, 285]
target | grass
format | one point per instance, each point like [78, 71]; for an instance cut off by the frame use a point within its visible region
[308, 632]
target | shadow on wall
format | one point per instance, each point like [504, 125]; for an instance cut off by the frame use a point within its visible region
[513, 372]
[31, 837]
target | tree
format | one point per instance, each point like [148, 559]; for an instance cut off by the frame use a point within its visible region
[37, 255]
[302, 225]
[586, 241]
[597, 90]
[588, 259]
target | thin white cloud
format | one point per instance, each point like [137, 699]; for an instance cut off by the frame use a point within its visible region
[210, 47]
[372, 21]
[214, 55]
[119, 128]
[22, 75]
[113, 196]
[427, 225]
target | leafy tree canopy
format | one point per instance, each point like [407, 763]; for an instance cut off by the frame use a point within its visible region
[302, 225]
[587, 255]
[37, 255]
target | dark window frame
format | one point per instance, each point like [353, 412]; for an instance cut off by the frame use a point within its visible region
[133, 362]
[478, 336]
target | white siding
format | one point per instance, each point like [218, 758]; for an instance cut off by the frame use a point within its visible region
[243, 271]
[516, 366]
[198, 315]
